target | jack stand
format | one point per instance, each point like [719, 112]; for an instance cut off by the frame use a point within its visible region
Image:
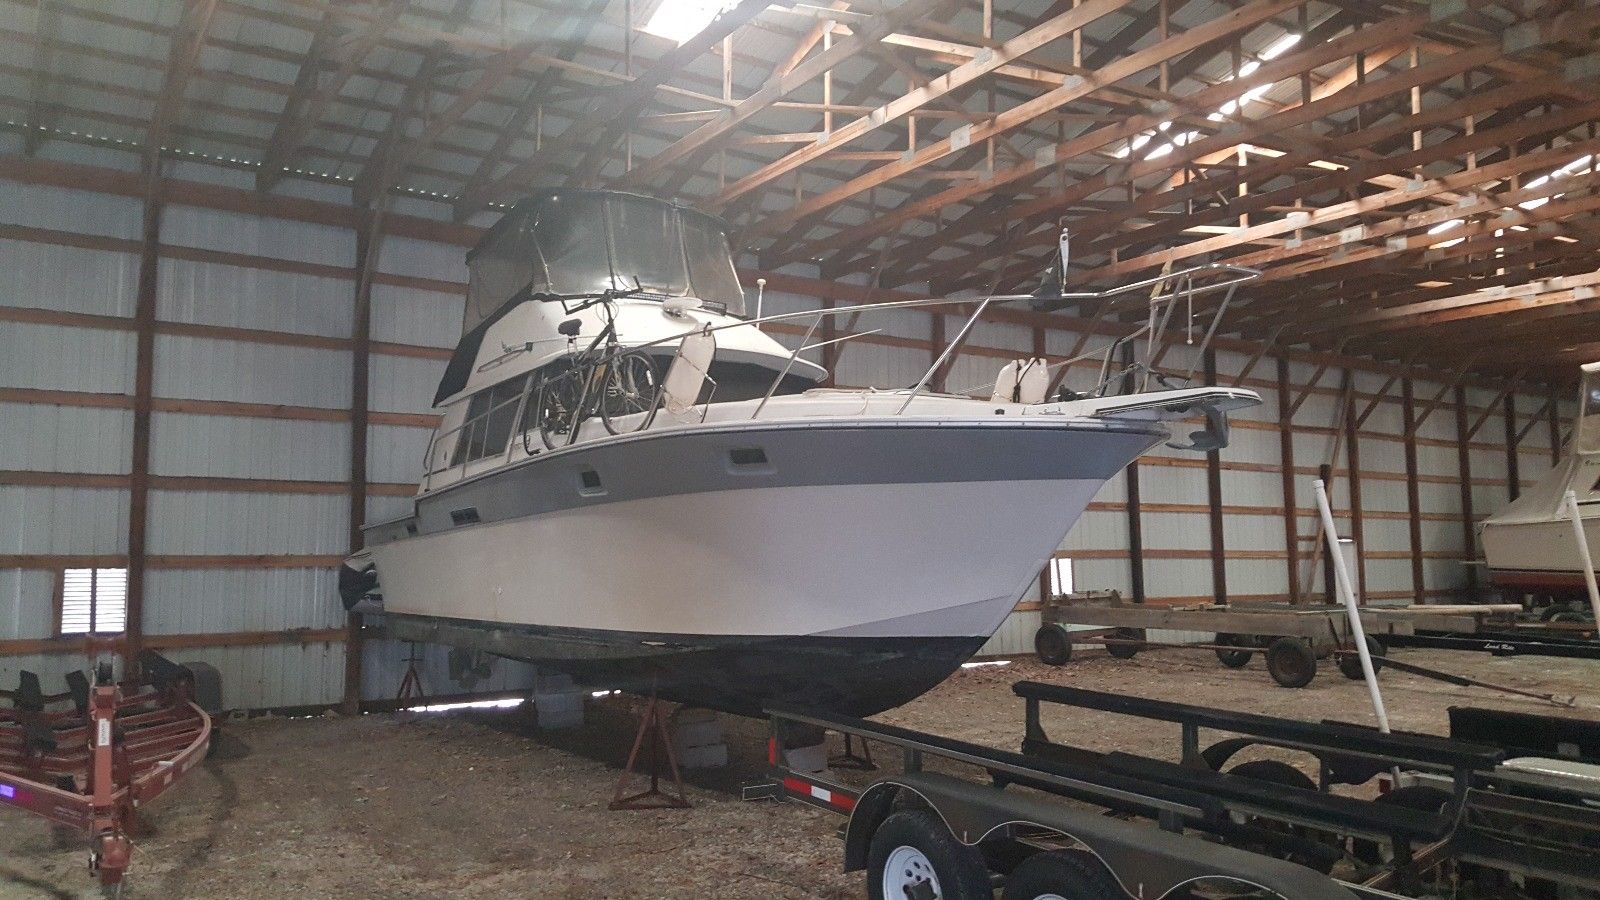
[652, 726]
[849, 760]
[411, 684]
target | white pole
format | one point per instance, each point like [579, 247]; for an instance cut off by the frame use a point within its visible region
[1348, 595]
[761, 290]
[1570, 501]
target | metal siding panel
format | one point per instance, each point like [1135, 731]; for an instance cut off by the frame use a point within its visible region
[403, 383]
[214, 522]
[274, 675]
[394, 453]
[219, 601]
[27, 604]
[383, 509]
[70, 279]
[422, 259]
[215, 294]
[404, 315]
[66, 209]
[1015, 637]
[231, 232]
[53, 520]
[206, 369]
[53, 358]
[41, 438]
[879, 366]
[1102, 574]
[236, 447]
[384, 665]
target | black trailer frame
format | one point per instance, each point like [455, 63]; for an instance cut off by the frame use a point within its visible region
[1203, 818]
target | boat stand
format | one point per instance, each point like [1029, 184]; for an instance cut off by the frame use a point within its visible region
[849, 760]
[652, 728]
[411, 684]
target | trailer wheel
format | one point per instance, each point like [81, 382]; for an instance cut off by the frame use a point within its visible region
[1062, 874]
[913, 854]
[1052, 644]
[1233, 659]
[1128, 650]
[1420, 797]
[1350, 663]
[1290, 662]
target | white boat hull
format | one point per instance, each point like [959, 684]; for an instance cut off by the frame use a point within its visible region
[901, 550]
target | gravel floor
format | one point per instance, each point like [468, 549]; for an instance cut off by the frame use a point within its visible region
[482, 804]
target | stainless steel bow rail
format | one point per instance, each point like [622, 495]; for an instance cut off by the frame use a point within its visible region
[118, 746]
[1150, 828]
[1166, 293]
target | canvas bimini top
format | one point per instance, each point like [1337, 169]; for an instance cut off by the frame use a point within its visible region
[586, 241]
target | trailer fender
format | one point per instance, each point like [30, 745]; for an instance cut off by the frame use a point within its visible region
[1147, 862]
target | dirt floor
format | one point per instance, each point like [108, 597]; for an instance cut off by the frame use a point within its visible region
[482, 804]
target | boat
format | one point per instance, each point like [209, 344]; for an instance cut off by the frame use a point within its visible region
[1530, 545]
[636, 483]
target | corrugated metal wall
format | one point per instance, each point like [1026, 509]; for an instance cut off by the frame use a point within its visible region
[235, 403]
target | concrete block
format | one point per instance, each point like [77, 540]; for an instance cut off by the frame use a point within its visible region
[807, 759]
[709, 756]
[559, 710]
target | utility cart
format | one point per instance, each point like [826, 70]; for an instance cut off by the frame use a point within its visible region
[1058, 820]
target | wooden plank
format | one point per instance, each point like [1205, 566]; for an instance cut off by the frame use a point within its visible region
[1045, 32]
[1513, 464]
[101, 480]
[1469, 534]
[1219, 551]
[188, 39]
[170, 561]
[1353, 471]
[1291, 523]
[1221, 26]
[78, 645]
[1413, 495]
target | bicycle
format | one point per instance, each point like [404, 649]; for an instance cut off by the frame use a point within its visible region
[603, 379]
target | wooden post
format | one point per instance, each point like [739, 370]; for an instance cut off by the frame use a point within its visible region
[1413, 493]
[1554, 420]
[144, 324]
[830, 352]
[1469, 539]
[1330, 593]
[1219, 552]
[1353, 464]
[368, 240]
[1513, 470]
[1291, 517]
[1132, 506]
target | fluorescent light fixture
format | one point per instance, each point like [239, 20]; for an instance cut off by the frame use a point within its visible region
[1280, 46]
[680, 20]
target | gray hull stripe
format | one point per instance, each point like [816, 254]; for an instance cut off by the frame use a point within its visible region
[703, 460]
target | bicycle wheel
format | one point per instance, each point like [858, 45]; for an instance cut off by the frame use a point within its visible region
[555, 405]
[631, 387]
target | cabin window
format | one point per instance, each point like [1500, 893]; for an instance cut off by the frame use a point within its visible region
[491, 413]
[93, 601]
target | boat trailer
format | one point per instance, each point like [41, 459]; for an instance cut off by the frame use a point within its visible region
[90, 757]
[1141, 827]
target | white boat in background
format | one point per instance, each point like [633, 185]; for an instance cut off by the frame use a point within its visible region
[1530, 545]
[635, 484]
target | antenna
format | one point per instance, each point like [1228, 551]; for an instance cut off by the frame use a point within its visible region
[761, 289]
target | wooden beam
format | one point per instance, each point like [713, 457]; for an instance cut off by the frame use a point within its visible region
[1047, 31]
[41, 114]
[1513, 464]
[1408, 414]
[311, 95]
[1219, 549]
[144, 317]
[188, 39]
[1237, 20]
[1469, 534]
[1352, 446]
[369, 242]
[1291, 522]
[783, 82]
[591, 138]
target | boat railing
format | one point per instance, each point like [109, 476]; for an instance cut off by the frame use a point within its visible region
[1166, 292]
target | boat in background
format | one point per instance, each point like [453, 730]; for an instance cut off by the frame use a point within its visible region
[635, 483]
[1530, 545]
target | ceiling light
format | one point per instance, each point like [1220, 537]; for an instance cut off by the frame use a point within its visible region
[1280, 46]
[680, 20]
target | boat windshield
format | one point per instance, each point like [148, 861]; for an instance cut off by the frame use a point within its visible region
[1587, 438]
[584, 242]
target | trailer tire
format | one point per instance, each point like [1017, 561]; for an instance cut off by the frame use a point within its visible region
[1420, 797]
[1126, 651]
[1233, 659]
[1350, 663]
[1052, 644]
[1272, 771]
[914, 846]
[1290, 662]
[1063, 873]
